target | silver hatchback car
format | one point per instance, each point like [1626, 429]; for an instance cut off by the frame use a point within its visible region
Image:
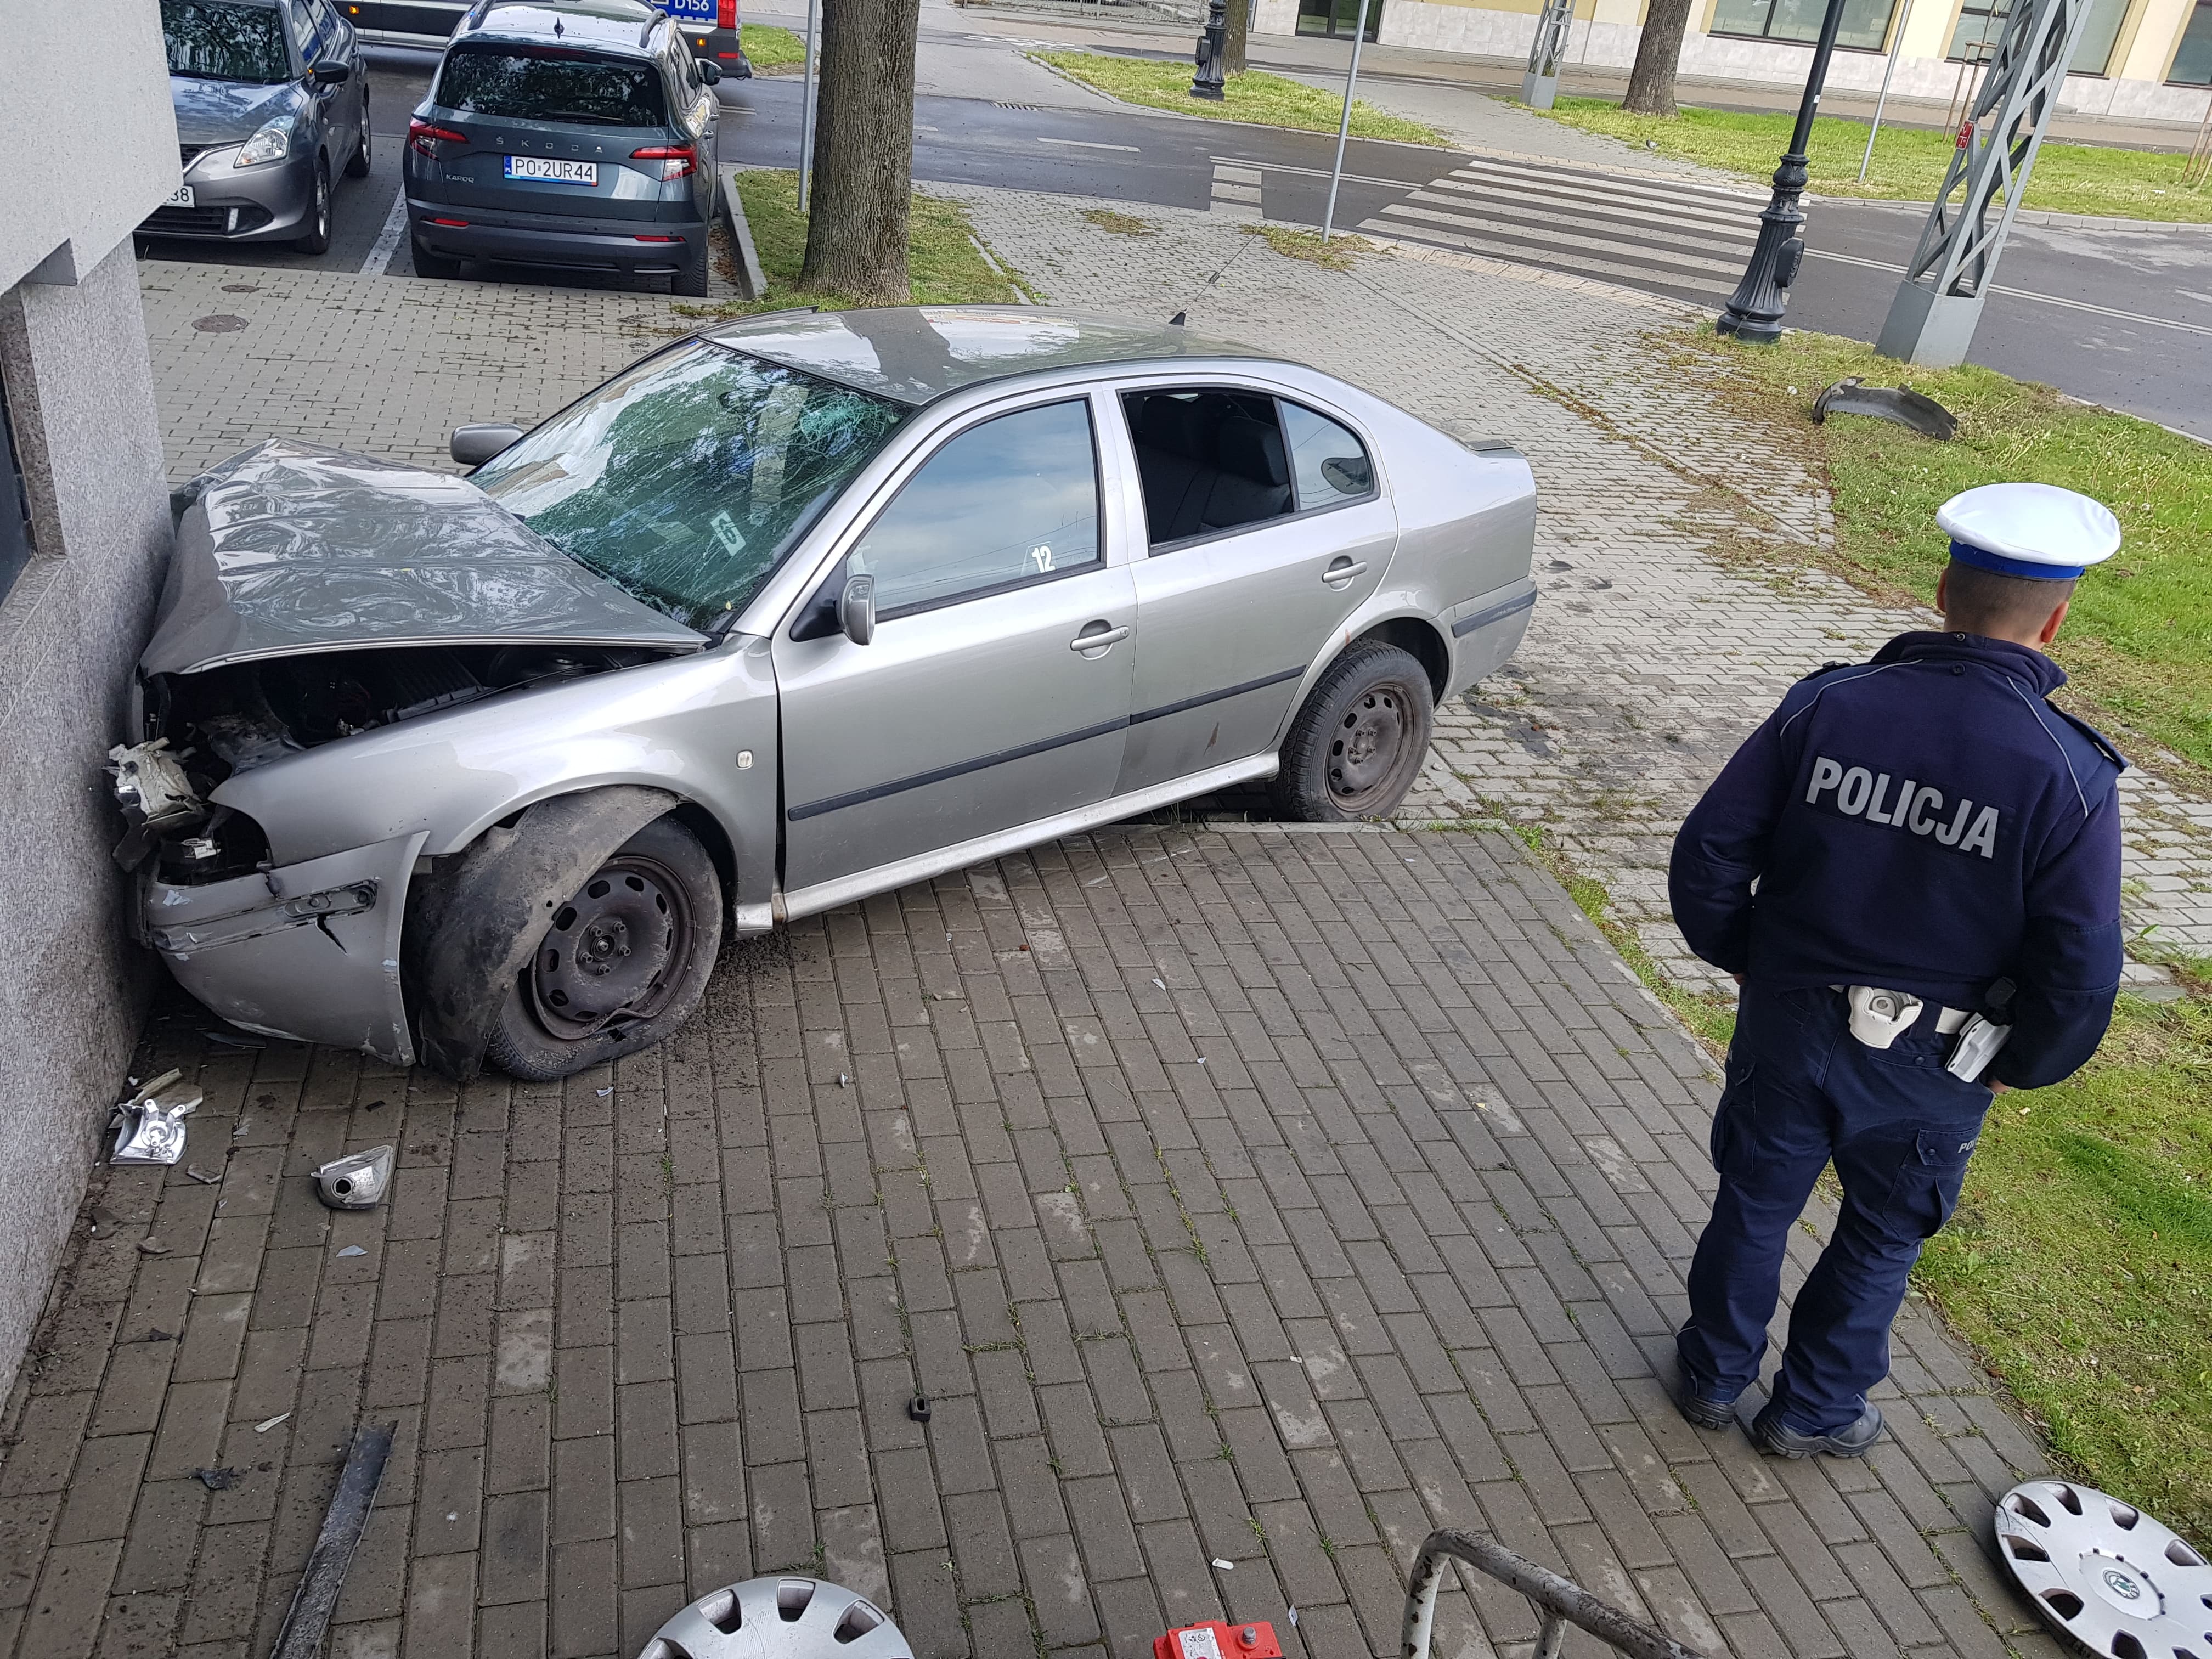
[805, 607]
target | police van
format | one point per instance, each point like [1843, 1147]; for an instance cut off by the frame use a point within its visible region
[711, 25]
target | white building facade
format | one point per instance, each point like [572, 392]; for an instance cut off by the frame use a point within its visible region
[2142, 60]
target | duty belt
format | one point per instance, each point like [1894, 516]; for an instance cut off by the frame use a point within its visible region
[1879, 1017]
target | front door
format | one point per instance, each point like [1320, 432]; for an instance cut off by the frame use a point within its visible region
[1268, 530]
[996, 690]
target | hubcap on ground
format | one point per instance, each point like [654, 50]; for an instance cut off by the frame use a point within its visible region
[1366, 749]
[611, 952]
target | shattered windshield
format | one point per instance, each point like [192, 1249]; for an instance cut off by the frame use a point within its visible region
[685, 479]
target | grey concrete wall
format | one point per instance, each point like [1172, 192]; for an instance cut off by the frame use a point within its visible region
[81, 393]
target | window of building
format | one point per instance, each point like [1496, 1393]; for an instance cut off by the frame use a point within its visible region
[1338, 18]
[1981, 26]
[14, 505]
[2192, 65]
[1865, 26]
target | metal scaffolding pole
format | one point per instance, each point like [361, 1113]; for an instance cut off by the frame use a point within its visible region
[1539, 84]
[1932, 319]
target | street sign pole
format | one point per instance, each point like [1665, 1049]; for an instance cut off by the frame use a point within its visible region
[1931, 321]
[1344, 123]
[1887, 70]
[1539, 83]
[806, 107]
[1754, 310]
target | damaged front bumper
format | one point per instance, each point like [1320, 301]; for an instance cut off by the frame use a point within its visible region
[310, 951]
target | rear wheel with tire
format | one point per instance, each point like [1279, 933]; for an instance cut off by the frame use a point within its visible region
[1359, 742]
[317, 237]
[428, 264]
[690, 279]
[622, 965]
[357, 163]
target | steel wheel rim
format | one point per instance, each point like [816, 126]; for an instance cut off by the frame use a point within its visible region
[1368, 746]
[613, 952]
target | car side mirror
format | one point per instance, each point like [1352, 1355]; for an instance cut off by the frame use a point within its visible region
[856, 609]
[330, 72]
[710, 72]
[478, 441]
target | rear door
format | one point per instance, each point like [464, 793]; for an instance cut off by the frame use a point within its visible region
[554, 130]
[996, 690]
[1231, 616]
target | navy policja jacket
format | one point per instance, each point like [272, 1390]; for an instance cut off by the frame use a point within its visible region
[1926, 822]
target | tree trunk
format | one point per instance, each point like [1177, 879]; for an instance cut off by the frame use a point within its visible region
[1651, 82]
[863, 152]
[1240, 28]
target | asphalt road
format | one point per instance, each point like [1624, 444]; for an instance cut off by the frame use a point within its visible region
[2119, 318]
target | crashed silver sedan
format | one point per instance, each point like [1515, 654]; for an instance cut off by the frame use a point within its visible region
[478, 771]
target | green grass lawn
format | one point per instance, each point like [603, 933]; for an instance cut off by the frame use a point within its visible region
[771, 51]
[2080, 1261]
[1269, 99]
[943, 264]
[1908, 164]
[2138, 643]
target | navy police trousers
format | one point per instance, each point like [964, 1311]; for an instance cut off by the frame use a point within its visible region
[1802, 1090]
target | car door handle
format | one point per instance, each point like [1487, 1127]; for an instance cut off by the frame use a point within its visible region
[1097, 636]
[1343, 571]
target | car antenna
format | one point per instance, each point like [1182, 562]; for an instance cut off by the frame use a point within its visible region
[1182, 316]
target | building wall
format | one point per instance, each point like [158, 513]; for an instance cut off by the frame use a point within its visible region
[80, 398]
[1605, 33]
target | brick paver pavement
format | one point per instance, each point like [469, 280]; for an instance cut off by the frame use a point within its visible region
[1265, 1197]
[1248, 1203]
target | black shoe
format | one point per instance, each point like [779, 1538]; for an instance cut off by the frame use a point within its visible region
[1769, 1435]
[1704, 1411]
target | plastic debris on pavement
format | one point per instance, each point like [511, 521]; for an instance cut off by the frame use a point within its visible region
[358, 1181]
[217, 1479]
[267, 1424]
[353, 1250]
[149, 1126]
[1225, 1566]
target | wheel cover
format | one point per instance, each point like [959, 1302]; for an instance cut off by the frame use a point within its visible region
[1367, 746]
[614, 951]
[2111, 1577]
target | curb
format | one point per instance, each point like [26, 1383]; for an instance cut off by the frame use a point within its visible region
[752, 282]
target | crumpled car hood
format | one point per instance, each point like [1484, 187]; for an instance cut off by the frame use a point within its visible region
[294, 548]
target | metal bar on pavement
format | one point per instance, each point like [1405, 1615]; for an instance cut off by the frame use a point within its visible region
[807, 106]
[1561, 1601]
[1344, 123]
[1887, 70]
[307, 1622]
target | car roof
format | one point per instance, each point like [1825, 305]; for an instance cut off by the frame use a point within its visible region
[620, 25]
[917, 354]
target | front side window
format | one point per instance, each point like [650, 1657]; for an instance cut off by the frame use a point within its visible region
[687, 478]
[1329, 464]
[552, 83]
[225, 40]
[1012, 500]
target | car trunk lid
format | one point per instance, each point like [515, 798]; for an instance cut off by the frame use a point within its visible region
[291, 547]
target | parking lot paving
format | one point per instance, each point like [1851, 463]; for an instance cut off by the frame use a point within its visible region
[1246, 1202]
[1235, 1195]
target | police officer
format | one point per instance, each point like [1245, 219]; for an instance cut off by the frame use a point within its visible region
[1913, 864]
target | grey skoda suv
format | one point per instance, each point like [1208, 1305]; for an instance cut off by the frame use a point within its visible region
[575, 135]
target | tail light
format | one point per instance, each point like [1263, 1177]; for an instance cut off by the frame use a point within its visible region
[423, 138]
[677, 161]
[725, 14]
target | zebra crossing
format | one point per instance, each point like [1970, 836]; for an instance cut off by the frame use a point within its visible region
[1678, 236]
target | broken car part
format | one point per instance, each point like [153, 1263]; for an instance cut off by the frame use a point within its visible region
[157, 798]
[355, 1182]
[1900, 403]
[2115, 1580]
[779, 1618]
[149, 1126]
[1215, 1640]
[1558, 1602]
[308, 1621]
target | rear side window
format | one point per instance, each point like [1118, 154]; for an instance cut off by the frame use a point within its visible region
[1327, 462]
[552, 83]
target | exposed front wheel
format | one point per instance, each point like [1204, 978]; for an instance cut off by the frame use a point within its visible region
[357, 163]
[317, 239]
[1359, 742]
[622, 965]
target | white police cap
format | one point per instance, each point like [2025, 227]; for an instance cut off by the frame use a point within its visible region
[2028, 530]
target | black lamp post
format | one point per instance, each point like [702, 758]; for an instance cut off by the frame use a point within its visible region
[1754, 310]
[1213, 46]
